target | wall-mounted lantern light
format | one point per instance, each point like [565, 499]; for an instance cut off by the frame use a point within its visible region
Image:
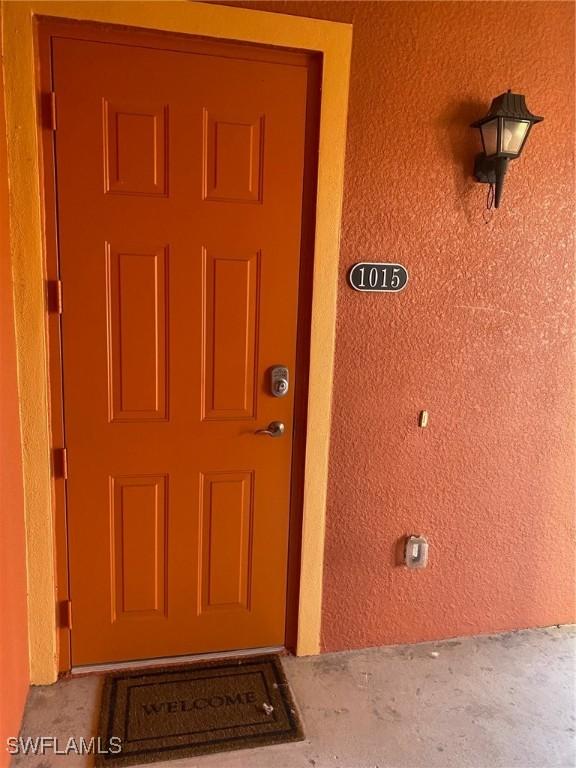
[504, 131]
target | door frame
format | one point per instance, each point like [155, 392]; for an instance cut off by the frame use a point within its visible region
[47, 29]
[28, 234]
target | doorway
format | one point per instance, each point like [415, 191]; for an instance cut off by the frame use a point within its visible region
[181, 180]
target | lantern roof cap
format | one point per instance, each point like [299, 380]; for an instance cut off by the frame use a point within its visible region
[510, 105]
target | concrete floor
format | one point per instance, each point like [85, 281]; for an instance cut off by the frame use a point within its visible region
[501, 701]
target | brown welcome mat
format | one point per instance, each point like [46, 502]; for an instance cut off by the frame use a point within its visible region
[173, 712]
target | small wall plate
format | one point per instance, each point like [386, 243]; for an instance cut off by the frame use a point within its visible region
[416, 552]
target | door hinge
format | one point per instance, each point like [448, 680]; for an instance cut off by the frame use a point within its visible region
[61, 463]
[51, 110]
[65, 614]
[55, 296]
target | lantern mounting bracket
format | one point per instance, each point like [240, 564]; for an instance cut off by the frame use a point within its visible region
[484, 169]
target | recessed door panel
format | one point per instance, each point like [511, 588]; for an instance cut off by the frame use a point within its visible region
[179, 185]
[137, 324]
[139, 528]
[226, 541]
[231, 304]
[233, 151]
[135, 147]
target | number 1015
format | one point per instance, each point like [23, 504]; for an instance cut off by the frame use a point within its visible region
[378, 277]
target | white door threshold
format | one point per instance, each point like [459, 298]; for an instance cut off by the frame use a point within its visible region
[166, 661]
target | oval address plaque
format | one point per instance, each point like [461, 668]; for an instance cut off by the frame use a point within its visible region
[379, 277]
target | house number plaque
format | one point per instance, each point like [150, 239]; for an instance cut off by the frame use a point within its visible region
[378, 277]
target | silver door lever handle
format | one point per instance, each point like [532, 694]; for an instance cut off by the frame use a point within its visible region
[274, 429]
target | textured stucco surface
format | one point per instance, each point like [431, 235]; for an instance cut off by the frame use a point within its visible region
[13, 614]
[480, 338]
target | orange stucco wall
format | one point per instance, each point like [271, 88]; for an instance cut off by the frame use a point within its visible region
[13, 618]
[481, 337]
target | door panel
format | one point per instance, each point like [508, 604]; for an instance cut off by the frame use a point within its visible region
[137, 343]
[233, 149]
[231, 302]
[135, 144]
[227, 513]
[179, 186]
[138, 518]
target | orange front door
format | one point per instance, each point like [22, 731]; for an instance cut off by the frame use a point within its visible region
[179, 195]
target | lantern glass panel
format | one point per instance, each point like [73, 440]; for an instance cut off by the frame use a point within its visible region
[513, 135]
[490, 137]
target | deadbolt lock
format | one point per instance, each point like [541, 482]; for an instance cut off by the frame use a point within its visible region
[279, 382]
